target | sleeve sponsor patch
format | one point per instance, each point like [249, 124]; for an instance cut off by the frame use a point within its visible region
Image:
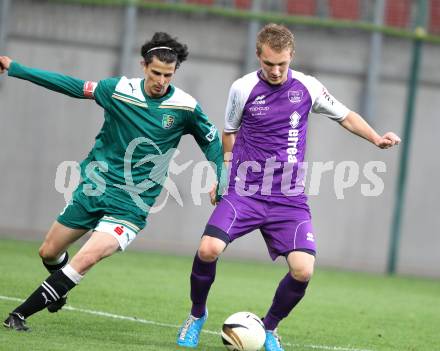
[326, 104]
[89, 89]
[326, 95]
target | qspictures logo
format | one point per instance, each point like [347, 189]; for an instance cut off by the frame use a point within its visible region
[345, 176]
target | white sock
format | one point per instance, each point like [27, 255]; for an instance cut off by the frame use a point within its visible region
[73, 275]
[57, 261]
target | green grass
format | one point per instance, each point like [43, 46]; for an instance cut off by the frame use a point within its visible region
[342, 311]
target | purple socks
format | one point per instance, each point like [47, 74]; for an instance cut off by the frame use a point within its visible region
[290, 291]
[202, 277]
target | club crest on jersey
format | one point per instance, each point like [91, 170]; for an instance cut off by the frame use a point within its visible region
[295, 96]
[167, 121]
[294, 119]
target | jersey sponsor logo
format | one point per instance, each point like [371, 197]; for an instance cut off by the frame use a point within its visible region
[295, 96]
[167, 121]
[310, 237]
[294, 119]
[119, 230]
[89, 89]
[292, 138]
[259, 110]
[212, 133]
[259, 100]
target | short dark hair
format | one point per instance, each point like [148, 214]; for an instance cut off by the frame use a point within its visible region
[165, 48]
[277, 37]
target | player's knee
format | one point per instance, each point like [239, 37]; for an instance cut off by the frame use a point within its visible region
[208, 253]
[303, 274]
[47, 253]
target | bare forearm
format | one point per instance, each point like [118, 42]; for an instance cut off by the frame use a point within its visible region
[357, 125]
[228, 140]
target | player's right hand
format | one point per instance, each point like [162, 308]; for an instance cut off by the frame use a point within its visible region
[5, 62]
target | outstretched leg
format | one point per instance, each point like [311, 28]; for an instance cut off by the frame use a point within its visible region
[57, 285]
[202, 277]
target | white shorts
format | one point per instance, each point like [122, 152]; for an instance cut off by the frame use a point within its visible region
[124, 231]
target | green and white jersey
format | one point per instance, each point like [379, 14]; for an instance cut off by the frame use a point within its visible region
[139, 135]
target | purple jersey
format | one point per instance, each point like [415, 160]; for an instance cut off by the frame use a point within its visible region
[271, 121]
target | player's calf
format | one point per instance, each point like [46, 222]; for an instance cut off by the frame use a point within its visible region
[53, 266]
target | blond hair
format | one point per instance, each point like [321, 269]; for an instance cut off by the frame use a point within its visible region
[277, 37]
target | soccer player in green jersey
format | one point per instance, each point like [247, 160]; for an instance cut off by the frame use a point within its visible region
[144, 120]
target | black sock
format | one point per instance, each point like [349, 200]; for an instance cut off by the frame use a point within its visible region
[54, 267]
[52, 289]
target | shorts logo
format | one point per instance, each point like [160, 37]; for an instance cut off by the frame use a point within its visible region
[167, 121]
[294, 119]
[119, 230]
[310, 237]
[295, 96]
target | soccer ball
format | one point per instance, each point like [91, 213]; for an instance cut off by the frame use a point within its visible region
[243, 331]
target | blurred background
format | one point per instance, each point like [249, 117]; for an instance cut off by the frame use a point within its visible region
[381, 58]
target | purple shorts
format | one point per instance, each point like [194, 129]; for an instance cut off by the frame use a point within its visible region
[285, 227]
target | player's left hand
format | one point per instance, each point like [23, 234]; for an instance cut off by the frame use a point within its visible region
[388, 140]
[5, 62]
[213, 194]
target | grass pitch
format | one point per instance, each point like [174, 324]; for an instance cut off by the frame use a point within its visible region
[136, 300]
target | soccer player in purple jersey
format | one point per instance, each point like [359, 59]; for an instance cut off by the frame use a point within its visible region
[265, 128]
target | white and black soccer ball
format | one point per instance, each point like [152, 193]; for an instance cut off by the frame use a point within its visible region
[243, 331]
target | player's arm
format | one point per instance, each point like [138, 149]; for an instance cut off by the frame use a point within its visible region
[228, 141]
[326, 104]
[233, 116]
[70, 86]
[206, 136]
[357, 125]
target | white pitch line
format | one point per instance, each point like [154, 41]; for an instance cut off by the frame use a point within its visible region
[166, 325]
